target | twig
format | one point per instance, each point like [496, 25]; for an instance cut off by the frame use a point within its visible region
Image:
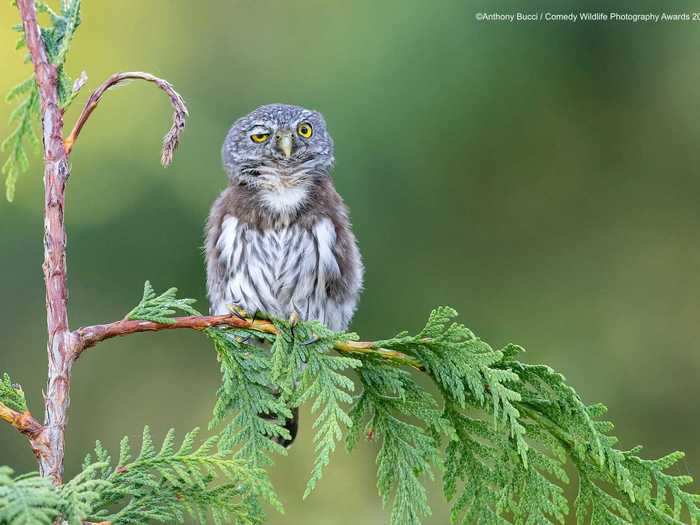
[56, 172]
[22, 421]
[89, 336]
[25, 423]
[180, 113]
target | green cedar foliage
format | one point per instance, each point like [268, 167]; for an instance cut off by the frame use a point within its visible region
[503, 435]
[160, 308]
[159, 485]
[57, 37]
[305, 370]
[12, 395]
[27, 500]
[498, 430]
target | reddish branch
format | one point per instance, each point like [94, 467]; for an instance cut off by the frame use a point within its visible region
[91, 335]
[25, 423]
[56, 172]
[171, 139]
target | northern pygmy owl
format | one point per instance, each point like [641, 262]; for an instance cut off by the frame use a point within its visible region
[279, 238]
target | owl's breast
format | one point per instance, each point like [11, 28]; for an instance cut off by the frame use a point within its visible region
[277, 270]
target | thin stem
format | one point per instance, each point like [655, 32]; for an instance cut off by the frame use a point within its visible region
[56, 172]
[180, 113]
[25, 423]
[91, 335]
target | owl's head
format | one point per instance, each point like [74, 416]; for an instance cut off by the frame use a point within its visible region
[278, 144]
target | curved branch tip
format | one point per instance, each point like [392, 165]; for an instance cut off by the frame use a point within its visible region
[180, 112]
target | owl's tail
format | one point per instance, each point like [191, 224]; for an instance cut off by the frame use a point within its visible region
[291, 424]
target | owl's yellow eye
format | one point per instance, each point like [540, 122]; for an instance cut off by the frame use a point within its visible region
[259, 137]
[305, 130]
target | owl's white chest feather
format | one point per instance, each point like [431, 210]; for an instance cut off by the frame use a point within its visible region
[283, 192]
[279, 271]
[284, 200]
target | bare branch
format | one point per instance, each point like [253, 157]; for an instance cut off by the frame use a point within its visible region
[56, 172]
[25, 423]
[22, 421]
[180, 113]
[91, 335]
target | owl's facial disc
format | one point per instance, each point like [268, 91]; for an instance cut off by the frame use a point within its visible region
[278, 144]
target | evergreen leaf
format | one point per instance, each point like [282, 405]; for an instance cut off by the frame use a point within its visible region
[12, 395]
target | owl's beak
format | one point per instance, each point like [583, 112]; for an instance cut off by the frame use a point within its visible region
[283, 141]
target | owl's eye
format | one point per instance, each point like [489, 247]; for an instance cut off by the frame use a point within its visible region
[259, 137]
[305, 130]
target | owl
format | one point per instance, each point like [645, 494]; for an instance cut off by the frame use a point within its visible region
[278, 238]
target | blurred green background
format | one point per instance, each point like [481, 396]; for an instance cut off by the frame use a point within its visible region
[541, 178]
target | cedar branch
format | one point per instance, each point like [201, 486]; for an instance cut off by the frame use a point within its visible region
[56, 172]
[180, 113]
[25, 423]
[91, 335]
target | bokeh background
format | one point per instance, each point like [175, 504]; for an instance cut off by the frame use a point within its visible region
[541, 178]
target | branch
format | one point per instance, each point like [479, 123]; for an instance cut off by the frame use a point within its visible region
[56, 172]
[62, 343]
[171, 139]
[25, 423]
[91, 335]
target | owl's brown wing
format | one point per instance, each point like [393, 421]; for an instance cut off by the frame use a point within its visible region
[342, 289]
[216, 273]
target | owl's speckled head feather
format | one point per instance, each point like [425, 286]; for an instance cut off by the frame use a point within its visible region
[278, 154]
[278, 139]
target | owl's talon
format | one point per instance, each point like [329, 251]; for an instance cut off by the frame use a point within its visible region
[294, 318]
[293, 321]
[237, 311]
